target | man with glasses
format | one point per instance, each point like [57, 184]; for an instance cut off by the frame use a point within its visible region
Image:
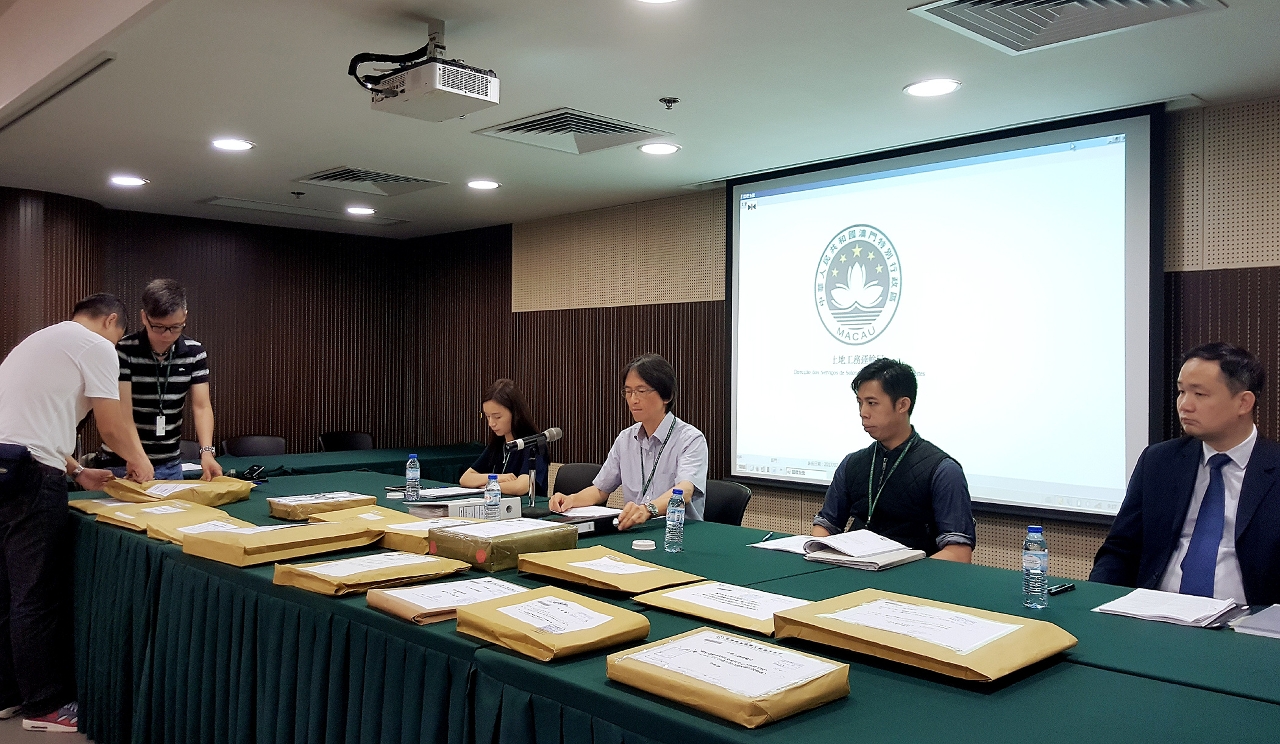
[651, 458]
[159, 367]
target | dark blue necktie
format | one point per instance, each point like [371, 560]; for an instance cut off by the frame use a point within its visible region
[1202, 555]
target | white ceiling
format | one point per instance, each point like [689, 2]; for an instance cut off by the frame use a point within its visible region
[763, 85]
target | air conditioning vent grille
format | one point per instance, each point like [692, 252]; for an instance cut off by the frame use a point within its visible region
[1017, 26]
[573, 131]
[368, 181]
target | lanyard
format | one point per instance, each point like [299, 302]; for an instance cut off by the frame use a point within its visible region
[872, 501]
[645, 484]
[168, 365]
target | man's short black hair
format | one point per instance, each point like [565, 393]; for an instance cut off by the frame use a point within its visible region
[100, 305]
[897, 379]
[162, 298]
[657, 374]
[1239, 368]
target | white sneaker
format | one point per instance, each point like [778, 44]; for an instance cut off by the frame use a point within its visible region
[63, 720]
[10, 712]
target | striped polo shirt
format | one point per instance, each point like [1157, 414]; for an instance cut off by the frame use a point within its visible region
[173, 375]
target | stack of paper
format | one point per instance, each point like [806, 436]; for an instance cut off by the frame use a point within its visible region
[794, 544]
[1168, 607]
[435, 602]
[861, 549]
[1265, 623]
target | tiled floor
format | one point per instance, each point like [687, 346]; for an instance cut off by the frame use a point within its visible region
[11, 732]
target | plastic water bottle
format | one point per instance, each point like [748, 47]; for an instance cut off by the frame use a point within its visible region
[412, 477]
[1035, 569]
[674, 541]
[492, 498]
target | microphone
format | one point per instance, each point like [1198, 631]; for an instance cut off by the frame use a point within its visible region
[550, 435]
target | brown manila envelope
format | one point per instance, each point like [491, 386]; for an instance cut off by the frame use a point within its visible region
[356, 575]
[254, 545]
[603, 568]
[727, 604]
[432, 603]
[551, 623]
[378, 516]
[93, 506]
[738, 679]
[219, 491]
[496, 545]
[175, 531]
[301, 507]
[137, 516]
[961, 641]
[414, 536]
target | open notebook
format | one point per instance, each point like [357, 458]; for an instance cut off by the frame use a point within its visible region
[862, 549]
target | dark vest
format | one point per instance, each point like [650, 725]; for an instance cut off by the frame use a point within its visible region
[904, 511]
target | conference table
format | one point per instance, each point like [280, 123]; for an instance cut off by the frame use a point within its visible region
[175, 648]
[443, 463]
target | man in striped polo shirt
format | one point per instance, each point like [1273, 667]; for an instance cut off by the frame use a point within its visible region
[159, 367]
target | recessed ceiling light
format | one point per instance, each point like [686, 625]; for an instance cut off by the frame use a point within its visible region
[483, 184]
[934, 87]
[362, 211]
[233, 144]
[128, 181]
[659, 148]
[656, 2]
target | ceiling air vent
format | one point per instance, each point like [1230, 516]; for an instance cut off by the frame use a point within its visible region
[368, 182]
[1017, 26]
[572, 131]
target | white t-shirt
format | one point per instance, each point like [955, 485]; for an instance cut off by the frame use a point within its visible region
[45, 386]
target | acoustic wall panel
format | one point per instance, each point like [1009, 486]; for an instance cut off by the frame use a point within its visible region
[1184, 193]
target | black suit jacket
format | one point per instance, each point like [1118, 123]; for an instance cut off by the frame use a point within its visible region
[1146, 531]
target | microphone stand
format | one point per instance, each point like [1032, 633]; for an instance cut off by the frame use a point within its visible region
[533, 476]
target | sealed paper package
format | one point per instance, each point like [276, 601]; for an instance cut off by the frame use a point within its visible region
[497, 545]
[93, 506]
[254, 545]
[551, 623]
[355, 575]
[949, 639]
[377, 516]
[413, 536]
[301, 507]
[603, 568]
[219, 491]
[176, 531]
[433, 603]
[137, 516]
[728, 604]
[738, 679]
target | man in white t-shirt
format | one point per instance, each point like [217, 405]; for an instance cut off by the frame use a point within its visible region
[48, 383]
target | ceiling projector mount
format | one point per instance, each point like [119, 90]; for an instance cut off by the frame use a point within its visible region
[423, 84]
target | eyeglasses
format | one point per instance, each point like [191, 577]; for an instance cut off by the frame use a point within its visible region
[165, 328]
[638, 392]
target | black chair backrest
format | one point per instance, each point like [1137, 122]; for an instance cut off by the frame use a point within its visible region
[726, 502]
[190, 450]
[254, 445]
[574, 476]
[343, 441]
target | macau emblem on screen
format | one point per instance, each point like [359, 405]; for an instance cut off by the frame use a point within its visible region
[858, 284]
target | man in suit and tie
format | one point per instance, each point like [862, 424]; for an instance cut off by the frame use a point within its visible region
[1202, 513]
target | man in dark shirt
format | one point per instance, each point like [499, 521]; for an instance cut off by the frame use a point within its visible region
[902, 486]
[159, 368]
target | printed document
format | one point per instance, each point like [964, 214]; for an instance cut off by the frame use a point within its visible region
[794, 544]
[859, 544]
[166, 509]
[317, 498]
[957, 631]
[738, 600]
[744, 667]
[611, 565]
[352, 566]
[439, 493]
[215, 525]
[555, 615]
[422, 525]
[1169, 607]
[454, 594]
[168, 489]
[592, 511]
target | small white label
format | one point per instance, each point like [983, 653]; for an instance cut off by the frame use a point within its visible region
[741, 666]
[168, 489]
[609, 564]
[555, 615]
[211, 526]
[372, 516]
[352, 566]
[166, 509]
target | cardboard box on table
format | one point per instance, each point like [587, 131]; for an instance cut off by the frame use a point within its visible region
[278, 543]
[557, 565]
[662, 600]
[478, 545]
[1034, 641]
[219, 491]
[297, 508]
[414, 536]
[410, 568]
[485, 621]
[751, 712]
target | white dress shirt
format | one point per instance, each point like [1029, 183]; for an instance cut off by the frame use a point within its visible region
[1227, 581]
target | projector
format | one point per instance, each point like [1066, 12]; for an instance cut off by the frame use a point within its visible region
[434, 90]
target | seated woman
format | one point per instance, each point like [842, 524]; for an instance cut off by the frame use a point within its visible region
[659, 453]
[508, 417]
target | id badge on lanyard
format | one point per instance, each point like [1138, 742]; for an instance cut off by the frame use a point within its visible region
[159, 424]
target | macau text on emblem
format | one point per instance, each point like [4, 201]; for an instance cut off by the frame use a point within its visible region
[858, 284]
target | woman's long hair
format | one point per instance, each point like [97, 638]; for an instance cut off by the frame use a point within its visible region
[504, 393]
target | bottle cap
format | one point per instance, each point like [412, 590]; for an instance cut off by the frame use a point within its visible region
[413, 457]
[643, 545]
[1034, 528]
[493, 476]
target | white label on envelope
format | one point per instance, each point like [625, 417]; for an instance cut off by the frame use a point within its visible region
[555, 615]
[352, 566]
[753, 670]
[503, 527]
[609, 564]
[738, 600]
[168, 489]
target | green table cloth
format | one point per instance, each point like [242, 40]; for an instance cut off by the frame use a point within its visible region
[445, 463]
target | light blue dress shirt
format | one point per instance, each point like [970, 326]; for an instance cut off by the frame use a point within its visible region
[684, 458]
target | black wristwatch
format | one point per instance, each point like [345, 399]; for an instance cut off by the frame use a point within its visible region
[653, 510]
